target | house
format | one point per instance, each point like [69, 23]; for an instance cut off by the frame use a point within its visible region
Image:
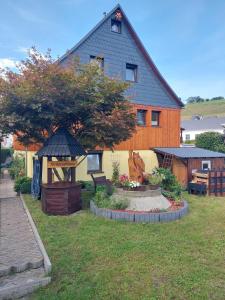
[200, 125]
[115, 46]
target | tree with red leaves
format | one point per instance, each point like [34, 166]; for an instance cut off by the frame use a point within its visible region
[44, 96]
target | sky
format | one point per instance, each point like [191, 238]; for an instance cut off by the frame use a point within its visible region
[186, 39]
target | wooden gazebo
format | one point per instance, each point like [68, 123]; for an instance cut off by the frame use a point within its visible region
[62, 196]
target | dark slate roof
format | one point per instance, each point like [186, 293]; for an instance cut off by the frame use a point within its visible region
[189, 152]
[61, 143]
[140, 46]
[210, 123]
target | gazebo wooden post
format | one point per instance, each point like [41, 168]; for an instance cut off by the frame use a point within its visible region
[73, 171]
[49, 171]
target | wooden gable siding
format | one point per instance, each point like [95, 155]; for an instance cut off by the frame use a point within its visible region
[146, 137]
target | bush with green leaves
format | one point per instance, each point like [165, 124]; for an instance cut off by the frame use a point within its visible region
[213, 141]
[155, 179]
[17, 168]
[88, 185]
[118, 202]
[103, 200]
[101, 197]
[116, 172]
[4, 154]
[23, 185]
[169, 183]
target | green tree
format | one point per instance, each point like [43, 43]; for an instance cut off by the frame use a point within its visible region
[211, 140]
[43, 96]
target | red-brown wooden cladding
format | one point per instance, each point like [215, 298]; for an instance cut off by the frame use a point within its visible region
[61, 198]
[216, 183]
[146, 137]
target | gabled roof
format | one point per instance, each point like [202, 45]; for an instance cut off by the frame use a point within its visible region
[208, 123]
[189, 152]
[61, 143]
[139, 45]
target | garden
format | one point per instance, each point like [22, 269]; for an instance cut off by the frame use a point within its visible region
[97, 258]
[157, 198]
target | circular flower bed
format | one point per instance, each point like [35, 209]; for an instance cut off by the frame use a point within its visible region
[174, 213]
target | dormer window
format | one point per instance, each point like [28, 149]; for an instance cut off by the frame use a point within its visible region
[116, 26]
[97, 60]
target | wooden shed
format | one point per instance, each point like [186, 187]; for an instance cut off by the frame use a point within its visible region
[184, 161]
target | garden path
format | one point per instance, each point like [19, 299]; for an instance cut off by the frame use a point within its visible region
[21, 261]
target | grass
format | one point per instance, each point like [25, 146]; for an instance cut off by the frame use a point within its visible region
[94, 258]
[210, 108]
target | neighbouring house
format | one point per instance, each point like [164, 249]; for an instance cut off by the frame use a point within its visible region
[185, 161]
[200, 125]
[114, 44]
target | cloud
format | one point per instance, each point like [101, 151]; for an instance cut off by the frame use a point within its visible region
[22, 49]
[8, 63]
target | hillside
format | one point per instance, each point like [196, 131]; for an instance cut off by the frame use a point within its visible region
[209, 108]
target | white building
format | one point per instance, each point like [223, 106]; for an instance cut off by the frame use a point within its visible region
[200, 125]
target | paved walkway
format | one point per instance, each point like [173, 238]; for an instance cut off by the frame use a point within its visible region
[21, 261]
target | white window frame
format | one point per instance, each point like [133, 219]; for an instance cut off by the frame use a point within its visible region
[187, 138]
[206, 162]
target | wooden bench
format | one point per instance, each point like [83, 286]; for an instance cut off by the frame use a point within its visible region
[98, 181]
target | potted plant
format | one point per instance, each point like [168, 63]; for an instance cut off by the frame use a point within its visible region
[155, 181]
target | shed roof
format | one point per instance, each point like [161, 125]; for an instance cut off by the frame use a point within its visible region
[190, 152]
[61, 143]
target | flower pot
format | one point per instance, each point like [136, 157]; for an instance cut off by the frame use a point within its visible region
[153, 186]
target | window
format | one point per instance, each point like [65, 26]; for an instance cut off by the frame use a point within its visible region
[187, 137]
[206, 165]
[116, 26]
[97, 60]
[141, 117]
[155, 118]
[94, 163]
[131, 72]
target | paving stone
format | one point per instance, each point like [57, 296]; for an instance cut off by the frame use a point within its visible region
[21, 261]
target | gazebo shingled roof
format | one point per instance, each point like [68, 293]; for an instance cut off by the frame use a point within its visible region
[61, 143]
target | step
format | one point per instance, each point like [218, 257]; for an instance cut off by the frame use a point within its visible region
[18, 285]
[21, 266]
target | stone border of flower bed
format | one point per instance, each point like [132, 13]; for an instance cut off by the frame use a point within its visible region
[140, 217]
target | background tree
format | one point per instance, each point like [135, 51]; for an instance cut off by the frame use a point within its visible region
[211, 140]
[43, 96]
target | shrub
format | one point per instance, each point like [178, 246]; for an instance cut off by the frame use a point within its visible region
[88, 185]
[116, 172]
[211, 140]
[118, 203]
[155, 179]
[169, 183]
[101, 197]
[4, 154]
[23, 185]
[103, 200]
[17, 167]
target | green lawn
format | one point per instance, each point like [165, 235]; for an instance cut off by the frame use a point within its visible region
[94, 258]
[210, 108]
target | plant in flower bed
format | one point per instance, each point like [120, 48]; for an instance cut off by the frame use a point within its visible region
[105, 200]
[128, 184]
[171, 188]
[155, 179]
